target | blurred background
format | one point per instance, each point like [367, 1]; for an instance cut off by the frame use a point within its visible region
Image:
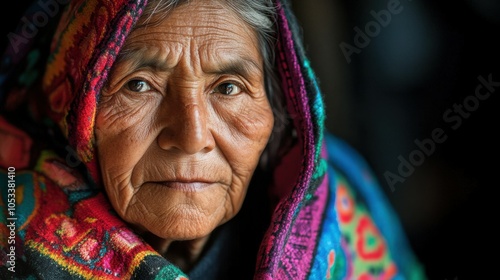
[392, 72]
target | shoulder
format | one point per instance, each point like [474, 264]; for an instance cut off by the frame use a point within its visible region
[372, 235]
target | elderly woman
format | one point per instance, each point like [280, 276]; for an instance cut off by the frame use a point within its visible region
[176, 139]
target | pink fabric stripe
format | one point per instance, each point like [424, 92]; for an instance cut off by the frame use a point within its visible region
[288, 246]
[300, 246]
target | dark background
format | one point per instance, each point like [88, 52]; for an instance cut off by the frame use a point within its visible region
[394, 91]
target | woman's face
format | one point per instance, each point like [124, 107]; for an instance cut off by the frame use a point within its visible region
[183, 121]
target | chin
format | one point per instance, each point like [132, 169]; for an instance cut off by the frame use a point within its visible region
[183, 228]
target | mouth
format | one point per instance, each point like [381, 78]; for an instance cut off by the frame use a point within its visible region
[188, 186]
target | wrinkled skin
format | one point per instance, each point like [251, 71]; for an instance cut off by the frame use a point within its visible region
[182, 123]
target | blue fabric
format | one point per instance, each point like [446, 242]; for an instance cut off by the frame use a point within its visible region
[330, 233]
[342, 157]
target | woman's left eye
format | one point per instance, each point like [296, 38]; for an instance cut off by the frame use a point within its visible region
[228, 89]
[138, 86]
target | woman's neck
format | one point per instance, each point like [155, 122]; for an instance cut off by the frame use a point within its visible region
[183, 254]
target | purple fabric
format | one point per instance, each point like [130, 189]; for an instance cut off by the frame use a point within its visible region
[288, 247]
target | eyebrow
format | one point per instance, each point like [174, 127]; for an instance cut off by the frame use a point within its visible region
[241, 65]
[138, 62]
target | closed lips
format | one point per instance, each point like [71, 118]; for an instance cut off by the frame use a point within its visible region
[185, 185]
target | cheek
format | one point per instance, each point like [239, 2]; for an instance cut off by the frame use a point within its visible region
[122, 136]
[243, 135]
[242, 139]
[256, 123]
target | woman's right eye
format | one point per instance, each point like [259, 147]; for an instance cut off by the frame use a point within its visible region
[138, 86]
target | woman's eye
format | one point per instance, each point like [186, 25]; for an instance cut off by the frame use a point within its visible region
[138, 86]
[228, 89]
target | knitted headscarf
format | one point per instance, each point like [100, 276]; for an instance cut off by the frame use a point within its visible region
[85, 45]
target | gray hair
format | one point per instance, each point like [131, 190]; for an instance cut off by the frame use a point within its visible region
[260, 15]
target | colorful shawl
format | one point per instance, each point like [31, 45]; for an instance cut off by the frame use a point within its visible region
[330, 222]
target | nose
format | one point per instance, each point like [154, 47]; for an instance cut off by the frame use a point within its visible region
[186, 127]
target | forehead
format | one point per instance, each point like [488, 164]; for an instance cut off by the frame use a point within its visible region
[208, 28]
